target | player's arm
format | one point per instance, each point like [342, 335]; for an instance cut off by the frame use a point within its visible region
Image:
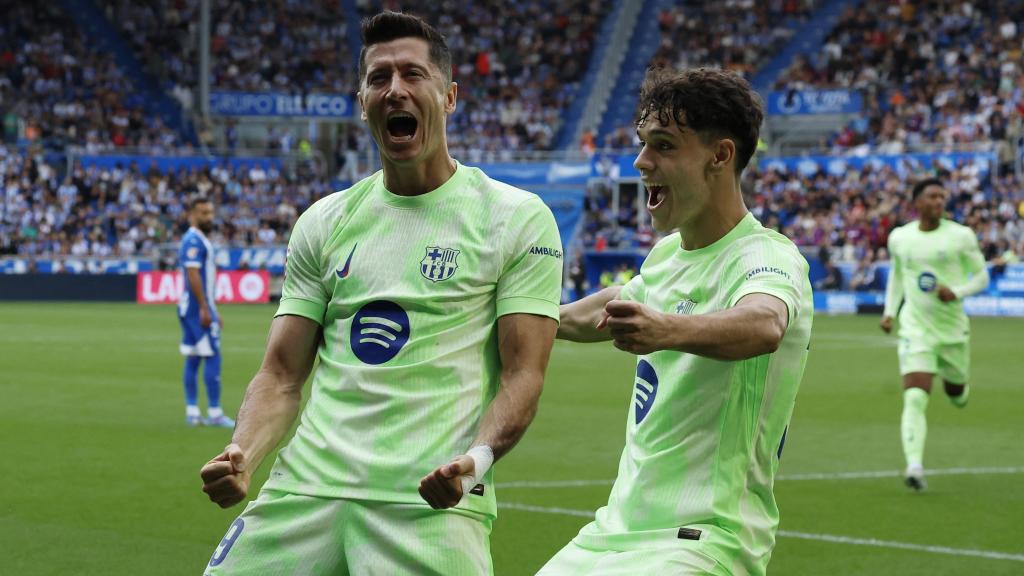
[524, 344]
[272, 402]
[974, 263]
[583, 320]
[195, 287]
[893, 288]
[754, 326]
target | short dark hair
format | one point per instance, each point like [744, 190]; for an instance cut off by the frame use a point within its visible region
[712, 102]
[921, 185]
[197, 200]
[388, 26]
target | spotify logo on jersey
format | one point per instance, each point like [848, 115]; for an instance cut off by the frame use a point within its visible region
[646, 389]
[927, 282]
[379, 331]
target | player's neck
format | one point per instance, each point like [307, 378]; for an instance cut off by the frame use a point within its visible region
[420, 177]
[928, 225]
[714, 222]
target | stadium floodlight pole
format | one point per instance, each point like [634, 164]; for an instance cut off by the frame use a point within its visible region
[204, 59]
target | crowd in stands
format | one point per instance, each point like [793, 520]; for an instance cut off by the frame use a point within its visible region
[946, 74]
[274, 45]
[57, 90]
[135, 210]
[844, 218]
[518, 65]
[738, 35]
[849, 217]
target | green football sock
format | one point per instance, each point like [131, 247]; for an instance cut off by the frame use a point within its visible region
[914, 425]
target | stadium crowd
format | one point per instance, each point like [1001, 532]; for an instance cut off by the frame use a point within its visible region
[946, 74]
[277, 45]
[739, 35]
[133, 210]
[851, 215]
[848, 217]
[57, 90]
[518, 64]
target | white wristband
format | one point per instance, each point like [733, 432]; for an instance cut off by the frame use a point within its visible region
[483, 458]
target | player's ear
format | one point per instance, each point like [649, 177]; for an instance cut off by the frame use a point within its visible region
[362, 107]
[723, 154]
[451, 97]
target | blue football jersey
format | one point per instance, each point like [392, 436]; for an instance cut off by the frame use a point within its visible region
[196, 252]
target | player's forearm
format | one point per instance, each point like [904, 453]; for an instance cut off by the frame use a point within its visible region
[893, 293]
[977, 283]
[734, 334]
[511, 411]
[266, 415]
[578, 320]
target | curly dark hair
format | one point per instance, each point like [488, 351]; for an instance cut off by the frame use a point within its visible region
[714, 103]
[921, 185]
[388, 26]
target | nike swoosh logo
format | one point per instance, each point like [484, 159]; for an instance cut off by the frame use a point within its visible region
[343, 273]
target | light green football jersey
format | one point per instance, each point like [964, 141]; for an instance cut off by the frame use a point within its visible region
[408, 291]
[919, 262]
[704, 436]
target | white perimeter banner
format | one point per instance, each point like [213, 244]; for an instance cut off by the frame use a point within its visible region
[232, 287]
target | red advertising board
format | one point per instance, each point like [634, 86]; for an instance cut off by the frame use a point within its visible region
[232, 287]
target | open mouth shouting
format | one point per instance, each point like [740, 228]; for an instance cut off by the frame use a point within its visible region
[401, 126]
[656, 194]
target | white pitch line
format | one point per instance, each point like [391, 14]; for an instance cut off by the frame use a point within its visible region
[903, 546]
[553, 483]
[899, 473]
[546, 509]
[786, 477]
[806, 536]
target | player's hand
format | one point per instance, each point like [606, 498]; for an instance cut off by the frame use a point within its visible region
[442, 488]
[634, 327]
[205, 318]
[945, 294]
[886, 324]
[226, 478]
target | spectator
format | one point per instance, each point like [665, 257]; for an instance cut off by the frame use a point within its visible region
[866, 276]
[126, 211]
[944, 75]
[62, 91]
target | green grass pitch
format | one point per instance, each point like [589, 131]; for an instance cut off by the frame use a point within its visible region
[100, 473]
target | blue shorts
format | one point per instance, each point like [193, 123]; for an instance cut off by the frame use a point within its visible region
[199, 341]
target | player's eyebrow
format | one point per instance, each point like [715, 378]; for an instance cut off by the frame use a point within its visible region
[657, 132]
[389, 65]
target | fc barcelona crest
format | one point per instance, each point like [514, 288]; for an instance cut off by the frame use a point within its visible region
[439, 263]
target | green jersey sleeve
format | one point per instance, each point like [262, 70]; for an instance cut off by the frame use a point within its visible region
[973, 262]
[894, 282]
[531, 280]
[633, 290]
[303, 293]
[769, 267]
